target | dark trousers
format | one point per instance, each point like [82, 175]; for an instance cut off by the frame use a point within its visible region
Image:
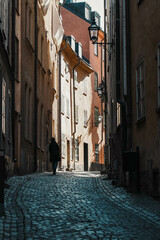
[54, 167]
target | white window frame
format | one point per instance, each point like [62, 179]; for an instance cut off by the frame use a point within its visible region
[96, 49]
[140, 90]
[87, 13]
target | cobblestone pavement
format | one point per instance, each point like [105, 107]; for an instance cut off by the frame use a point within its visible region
[77, 205]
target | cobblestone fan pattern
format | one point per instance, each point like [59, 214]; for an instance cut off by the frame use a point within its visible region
[76, 206]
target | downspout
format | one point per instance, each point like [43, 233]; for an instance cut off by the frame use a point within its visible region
[35, 88]
[13, 81]
[74, 131]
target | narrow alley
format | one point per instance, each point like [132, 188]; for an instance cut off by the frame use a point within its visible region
[76, 205]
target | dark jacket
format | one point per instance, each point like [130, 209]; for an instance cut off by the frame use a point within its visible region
[54, 151]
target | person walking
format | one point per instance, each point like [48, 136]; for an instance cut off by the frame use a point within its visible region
[54, 154]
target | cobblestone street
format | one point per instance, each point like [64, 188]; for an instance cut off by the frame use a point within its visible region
[76, 205]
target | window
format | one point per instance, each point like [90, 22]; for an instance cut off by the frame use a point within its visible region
[96, 49]
[96, 152]
[140, 99]
[63, 145]
[85, 118]
[76, 114]
[28, 113]
[62, 66]
[79, 50]
[73, 43]
[67, 107]
[158, 69]
[96, 81]
[75, 79]
[96, 113]
[76, 150]
[16, 58]
[67, 72]
[3, 106]
[87, 13]
[97, 20]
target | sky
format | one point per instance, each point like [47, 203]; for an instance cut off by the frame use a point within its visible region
[96, 5]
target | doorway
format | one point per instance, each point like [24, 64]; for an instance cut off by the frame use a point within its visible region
[85, 156]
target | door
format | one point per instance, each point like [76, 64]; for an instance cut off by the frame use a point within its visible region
[85, 157]
[68, 154]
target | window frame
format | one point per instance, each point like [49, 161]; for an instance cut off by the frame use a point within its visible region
[96, 49]
[96, 114]
[140, 90]
[95, 81]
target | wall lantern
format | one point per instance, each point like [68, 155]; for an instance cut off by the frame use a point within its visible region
[93, 32]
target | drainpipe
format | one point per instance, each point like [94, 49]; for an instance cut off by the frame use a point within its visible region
[74, 131]
[35, 88]
[13, 81]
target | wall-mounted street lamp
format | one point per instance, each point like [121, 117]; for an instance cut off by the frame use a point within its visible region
[93, 32]
[101, 90]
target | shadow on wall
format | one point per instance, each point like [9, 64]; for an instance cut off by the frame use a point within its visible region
[96, 167]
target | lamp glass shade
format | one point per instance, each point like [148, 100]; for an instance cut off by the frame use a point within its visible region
[93, 32]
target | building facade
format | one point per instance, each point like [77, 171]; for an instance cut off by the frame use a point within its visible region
[75, 106]
[76, 20]
[133, 64]
[40, 38]
[6, 80]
